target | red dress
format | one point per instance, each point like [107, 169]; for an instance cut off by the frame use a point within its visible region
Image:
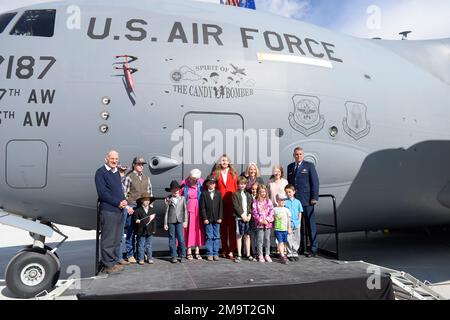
[228, 226]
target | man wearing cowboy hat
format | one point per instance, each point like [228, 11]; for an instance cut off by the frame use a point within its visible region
[136, 183]
[145, 227]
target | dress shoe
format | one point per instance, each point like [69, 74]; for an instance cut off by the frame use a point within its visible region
[296, 259]
[118, 267]
[291, 259]
[110, 270]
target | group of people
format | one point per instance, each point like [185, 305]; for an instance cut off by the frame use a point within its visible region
[238, 213]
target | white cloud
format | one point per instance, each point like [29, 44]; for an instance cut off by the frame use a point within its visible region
[427, 19]
[286, 8]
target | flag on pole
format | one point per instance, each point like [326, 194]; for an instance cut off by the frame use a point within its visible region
[249, 4]
[230, 2]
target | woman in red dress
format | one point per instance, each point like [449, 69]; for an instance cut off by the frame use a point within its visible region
[226, 177]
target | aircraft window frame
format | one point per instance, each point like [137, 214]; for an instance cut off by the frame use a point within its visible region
[42, 20]
[5, 20]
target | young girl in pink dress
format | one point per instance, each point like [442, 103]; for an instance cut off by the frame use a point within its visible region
[194, 234]
[263, 215]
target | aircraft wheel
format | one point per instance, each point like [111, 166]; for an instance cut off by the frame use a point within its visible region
[31, 272]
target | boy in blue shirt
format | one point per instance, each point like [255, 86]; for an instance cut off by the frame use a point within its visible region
[295, 206]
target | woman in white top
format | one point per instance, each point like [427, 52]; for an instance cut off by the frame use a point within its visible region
[277, 183]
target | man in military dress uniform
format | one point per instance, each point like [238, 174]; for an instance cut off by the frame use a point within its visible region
[303, 176]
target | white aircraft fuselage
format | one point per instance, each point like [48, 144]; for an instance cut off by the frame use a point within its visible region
[373, 115]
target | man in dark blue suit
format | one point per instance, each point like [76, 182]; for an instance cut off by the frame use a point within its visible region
[303, 176]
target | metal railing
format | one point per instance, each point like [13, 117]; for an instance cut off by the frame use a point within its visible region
[324, 252]
[98, 265]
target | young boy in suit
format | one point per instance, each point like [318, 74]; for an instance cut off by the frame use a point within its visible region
[211, 209]
[175, 220]
[242, 205]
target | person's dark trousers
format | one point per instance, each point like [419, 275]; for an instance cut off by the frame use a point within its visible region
[145, 247]
[176, 233]
[110, 223]
[212, 239]
[309, 231]
[131, 237]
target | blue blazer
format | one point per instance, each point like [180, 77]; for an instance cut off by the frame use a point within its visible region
[306, 182]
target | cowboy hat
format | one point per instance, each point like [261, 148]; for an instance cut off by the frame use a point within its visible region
[173, 185]
[146, 196]
[211, 178]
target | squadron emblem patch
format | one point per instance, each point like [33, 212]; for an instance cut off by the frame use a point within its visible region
[356, 124]
[306, 117]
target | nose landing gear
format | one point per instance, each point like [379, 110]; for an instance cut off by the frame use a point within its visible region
[35, 269]
[32, 271]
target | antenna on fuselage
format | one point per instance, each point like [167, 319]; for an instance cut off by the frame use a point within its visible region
[404, 34]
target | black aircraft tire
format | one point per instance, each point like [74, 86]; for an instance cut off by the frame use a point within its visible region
[30, 273]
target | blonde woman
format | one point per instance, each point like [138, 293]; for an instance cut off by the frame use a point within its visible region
[253, 176]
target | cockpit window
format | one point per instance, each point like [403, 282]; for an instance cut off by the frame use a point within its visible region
[5, 19]
[37, 23]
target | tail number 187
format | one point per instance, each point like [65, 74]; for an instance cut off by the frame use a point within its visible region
[24, 67]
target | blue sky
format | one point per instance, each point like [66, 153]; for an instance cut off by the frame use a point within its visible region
[428, 19]
[384, 18]
[362, 18]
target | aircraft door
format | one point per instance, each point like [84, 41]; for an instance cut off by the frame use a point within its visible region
[209, 135]
[26, 164]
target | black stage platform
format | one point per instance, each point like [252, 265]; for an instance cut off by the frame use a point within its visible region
[310, 278]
